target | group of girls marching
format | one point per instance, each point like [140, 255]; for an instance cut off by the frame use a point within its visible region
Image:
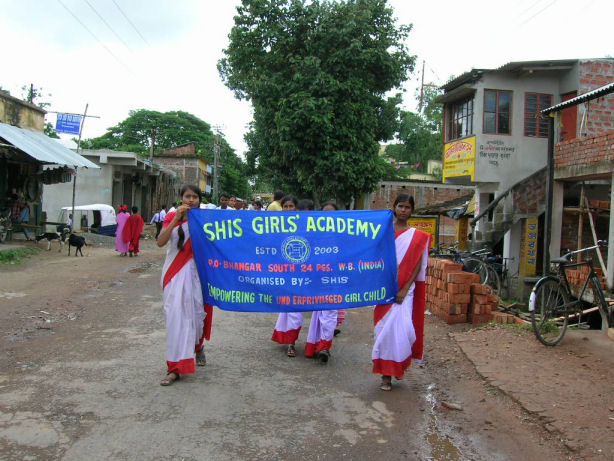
[398, 327]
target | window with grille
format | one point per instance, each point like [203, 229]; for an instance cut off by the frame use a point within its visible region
[535, 125]
[459, 119]
[497, 112]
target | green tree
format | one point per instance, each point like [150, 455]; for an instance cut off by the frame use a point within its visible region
[317, 73]
[165, 130]
[420, 134]
[31, 94]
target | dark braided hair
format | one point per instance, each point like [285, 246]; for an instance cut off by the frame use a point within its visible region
[184, 189]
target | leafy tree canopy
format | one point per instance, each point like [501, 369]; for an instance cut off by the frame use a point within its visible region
[32, 94]
[317, 73]
[420, 134]
[170, 129]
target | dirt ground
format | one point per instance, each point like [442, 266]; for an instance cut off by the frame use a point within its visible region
[491, 393]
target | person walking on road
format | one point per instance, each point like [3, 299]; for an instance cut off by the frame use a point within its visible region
[399, 327]
[122, 216]
[157, 220]
[132, 231]
[332, 206]
[289, 324]
[188, 319]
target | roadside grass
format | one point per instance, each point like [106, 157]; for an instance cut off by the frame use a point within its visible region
[14, 256]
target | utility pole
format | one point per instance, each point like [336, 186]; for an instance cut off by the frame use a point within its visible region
[153, 144]
[216, 164]
[421, 88]
[74, 181]
[422, 85]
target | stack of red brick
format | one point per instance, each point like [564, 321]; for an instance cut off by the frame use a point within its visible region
[578, 276]
[456, 296]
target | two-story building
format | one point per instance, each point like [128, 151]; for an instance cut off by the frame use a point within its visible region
[496, 140]
[191, 167]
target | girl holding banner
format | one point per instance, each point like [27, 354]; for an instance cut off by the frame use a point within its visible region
[188, 324]
[323, 323]
[399, 327]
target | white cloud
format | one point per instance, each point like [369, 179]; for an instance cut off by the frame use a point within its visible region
[175, 68]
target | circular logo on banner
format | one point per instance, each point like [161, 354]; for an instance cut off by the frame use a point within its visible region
[295, 249]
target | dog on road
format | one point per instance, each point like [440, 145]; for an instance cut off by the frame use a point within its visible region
[50, 236]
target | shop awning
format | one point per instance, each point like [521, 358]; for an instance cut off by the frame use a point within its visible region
[43, 148]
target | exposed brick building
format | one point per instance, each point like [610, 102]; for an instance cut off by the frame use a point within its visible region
[191, 167]
[426, 194]
[583, 188]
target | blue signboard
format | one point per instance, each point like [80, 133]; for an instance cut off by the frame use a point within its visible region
[68, 123]
[294, 261]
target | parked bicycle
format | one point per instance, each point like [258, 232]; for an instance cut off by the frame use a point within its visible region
[471, 262]
[552, 304]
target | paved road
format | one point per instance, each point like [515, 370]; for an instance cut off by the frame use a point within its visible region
[83, 352]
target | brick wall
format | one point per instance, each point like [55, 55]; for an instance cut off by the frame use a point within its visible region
[180, 151]
[570, 229]
[592, 75]
[585, 151]
[425, 194]
[186, 168]
[530, 195]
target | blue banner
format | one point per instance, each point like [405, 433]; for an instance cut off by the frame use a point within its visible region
[295, 261]
[68, 123]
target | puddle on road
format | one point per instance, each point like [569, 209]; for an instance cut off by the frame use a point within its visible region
[6, 294]
[442, 447]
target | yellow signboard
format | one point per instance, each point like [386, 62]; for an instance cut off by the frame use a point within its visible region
[462, 226]
[528, 255]
[459, 158]
[428, 225]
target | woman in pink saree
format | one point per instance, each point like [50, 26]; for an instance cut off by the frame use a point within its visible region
[122, 217]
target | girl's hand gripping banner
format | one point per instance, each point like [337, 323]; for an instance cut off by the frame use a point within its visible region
[258, 261]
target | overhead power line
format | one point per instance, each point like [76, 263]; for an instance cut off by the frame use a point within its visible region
[94, 35]
[107, 24]
[131, 23]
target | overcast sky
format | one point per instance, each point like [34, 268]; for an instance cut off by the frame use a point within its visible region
[120, 55]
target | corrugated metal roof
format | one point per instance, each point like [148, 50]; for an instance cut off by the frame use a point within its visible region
[550, 64]
[42, 147]
[515, 66]
[601, 91]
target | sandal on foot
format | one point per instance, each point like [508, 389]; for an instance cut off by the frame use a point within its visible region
[336, 332]
[323, 355]
[170, 378]
[201, 360]
[386, 385]
[291, 351]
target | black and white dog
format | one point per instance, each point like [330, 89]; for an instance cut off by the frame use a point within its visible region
[74, 240]
[50, 236]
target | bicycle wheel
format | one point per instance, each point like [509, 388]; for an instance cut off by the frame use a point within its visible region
[493, 280]
[476, 266]
[548, 311]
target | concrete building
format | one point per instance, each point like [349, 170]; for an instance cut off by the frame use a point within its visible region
[496, 140]
[123, 178]
[190, 167]
[30, 160]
